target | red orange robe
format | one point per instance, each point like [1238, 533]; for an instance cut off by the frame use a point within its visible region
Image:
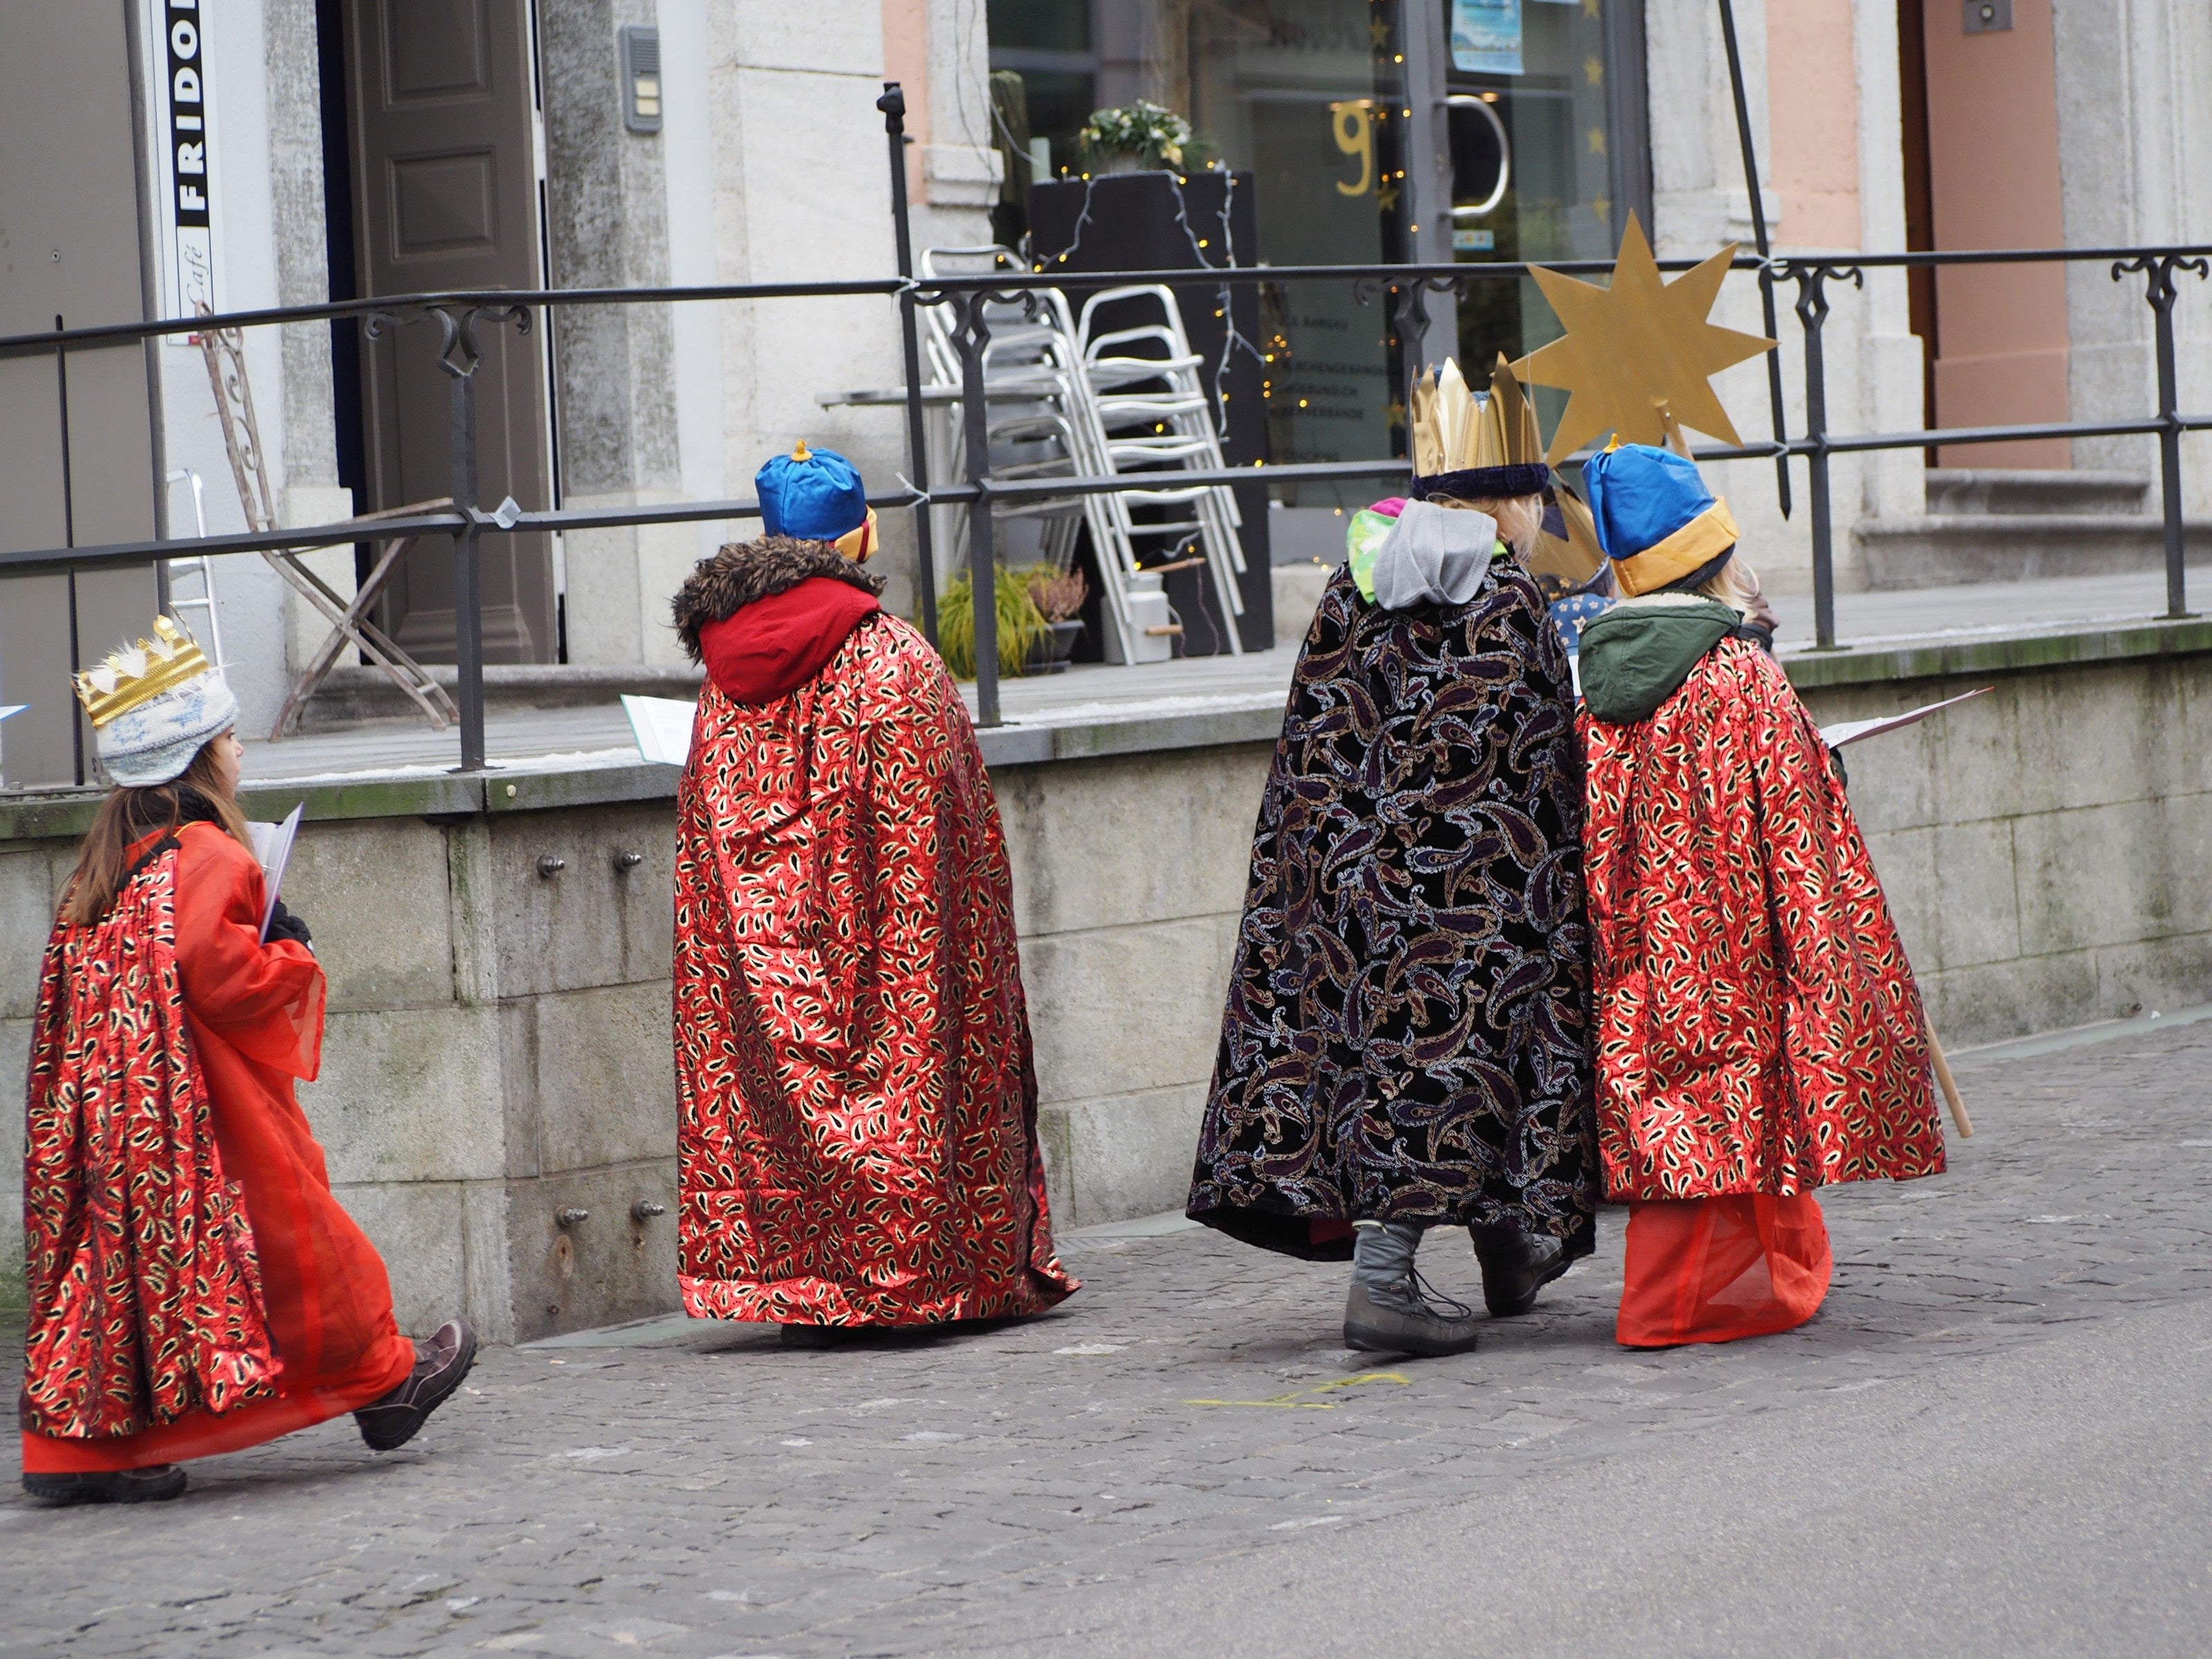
[857, 1130]
[195, 1286]
[1760, 1034]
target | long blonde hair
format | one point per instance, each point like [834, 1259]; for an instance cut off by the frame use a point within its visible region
[1519, 518]
[127, 817]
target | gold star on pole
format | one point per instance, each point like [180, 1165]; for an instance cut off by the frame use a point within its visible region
[1638, 351]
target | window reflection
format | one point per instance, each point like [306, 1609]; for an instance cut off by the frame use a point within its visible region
[1311, 98]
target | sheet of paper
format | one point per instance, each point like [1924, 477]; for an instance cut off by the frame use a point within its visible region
[272, 847]
[1845, 732]
[662, 727]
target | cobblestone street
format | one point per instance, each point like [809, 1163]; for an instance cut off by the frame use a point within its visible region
[1189, 1419]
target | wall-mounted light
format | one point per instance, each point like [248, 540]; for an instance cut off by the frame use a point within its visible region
[641, 74]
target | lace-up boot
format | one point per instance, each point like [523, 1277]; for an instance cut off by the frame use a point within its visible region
[1390, 1308]
[1515, 1265]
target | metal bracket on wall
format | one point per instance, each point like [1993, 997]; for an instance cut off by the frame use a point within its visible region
[1986, 17]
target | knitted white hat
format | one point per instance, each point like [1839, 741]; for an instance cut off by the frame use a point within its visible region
[155, 706]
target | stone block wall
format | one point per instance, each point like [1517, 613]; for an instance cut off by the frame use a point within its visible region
[2046, 848]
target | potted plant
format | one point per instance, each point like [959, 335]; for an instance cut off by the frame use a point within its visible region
[1137, 137]
[1058, 596]
[1019, 624]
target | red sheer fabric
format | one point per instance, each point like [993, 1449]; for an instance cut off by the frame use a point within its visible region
[1715, 1269]
[254, 1017]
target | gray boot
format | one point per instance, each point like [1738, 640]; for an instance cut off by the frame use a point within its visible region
[1515, 1265]
[1389, 1309]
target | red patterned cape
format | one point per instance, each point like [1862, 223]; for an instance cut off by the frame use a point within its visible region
[1758, 1028]
[146, 1301]
[857, 1138]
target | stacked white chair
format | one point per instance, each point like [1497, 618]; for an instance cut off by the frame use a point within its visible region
[1134, 405]
[1155, 416]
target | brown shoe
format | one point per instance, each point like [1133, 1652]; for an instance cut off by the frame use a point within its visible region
[155, 1484]
[440, 1365]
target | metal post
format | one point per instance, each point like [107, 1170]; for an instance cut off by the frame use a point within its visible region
[69, 536]
[1759, 237]
[2160, 292]
[1812, 314]
[971, 334]
[458, 356]
[893, 105]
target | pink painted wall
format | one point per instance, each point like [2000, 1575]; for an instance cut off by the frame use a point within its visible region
[1812, 118]
[906, 60]
[1993, 167]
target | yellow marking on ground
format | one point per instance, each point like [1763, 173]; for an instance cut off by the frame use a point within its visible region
[1296, 1401]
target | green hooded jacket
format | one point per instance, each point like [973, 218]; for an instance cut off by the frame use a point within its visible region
[1634, 655]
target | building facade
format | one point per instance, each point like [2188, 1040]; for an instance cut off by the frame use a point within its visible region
[267, 153]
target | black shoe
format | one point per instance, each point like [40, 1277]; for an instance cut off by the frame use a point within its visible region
[155, 1484]
[1413, 1324]
[815, 1336]
[440, 1365]
[1515, 1266]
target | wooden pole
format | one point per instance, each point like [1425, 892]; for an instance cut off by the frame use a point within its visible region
[1950, 1083]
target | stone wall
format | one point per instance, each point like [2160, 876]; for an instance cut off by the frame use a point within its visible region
[498, 1042]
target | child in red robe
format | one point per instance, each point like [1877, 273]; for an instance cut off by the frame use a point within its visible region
[1759, 1035]
[856, 1137]
[195, 1286]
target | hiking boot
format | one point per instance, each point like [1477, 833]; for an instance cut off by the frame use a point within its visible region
[155, 1484]
[1515, 1265]
[1408, 1322]
[390, 1422]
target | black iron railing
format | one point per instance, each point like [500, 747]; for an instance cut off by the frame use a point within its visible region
[1406, 290]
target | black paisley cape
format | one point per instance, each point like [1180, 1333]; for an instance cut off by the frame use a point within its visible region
[1408, 1035]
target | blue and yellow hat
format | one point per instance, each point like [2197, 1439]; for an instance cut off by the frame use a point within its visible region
[816, 495]
[1655, 520]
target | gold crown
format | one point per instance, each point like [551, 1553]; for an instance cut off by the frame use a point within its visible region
[141, 672]
[1454, 430]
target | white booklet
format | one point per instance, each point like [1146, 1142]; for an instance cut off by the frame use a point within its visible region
[272, 845]
[1845, 732]
[662, 727]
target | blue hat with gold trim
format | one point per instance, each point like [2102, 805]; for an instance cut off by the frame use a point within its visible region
[1655, 520]
[816, 495]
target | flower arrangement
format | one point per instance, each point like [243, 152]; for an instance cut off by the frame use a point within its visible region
[1151, 135]
[1057, 594]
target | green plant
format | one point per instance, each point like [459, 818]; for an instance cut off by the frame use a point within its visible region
[1021, 625]
[1143, 130]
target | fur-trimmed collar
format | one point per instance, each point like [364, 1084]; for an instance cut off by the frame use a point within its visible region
[744, 571]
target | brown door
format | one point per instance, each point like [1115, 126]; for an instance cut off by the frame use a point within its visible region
[445, 190]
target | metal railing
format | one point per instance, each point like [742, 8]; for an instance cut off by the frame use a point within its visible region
[459, 316]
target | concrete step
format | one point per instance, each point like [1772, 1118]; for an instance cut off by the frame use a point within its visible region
[353, 696]
[2007, 490]
[1942, 549]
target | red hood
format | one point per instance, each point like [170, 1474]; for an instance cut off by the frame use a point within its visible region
[768, 648]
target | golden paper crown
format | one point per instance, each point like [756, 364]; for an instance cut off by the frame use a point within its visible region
[1453, 430]
[139, 673]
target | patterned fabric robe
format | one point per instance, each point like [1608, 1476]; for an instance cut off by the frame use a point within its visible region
[857, 1137]
[196, 1287]
[146, 1302]
[1758, 1028]
[1405, 1035]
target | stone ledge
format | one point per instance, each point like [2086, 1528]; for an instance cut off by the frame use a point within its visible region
[1938, 658]
[352, 696]
[1099, 731]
